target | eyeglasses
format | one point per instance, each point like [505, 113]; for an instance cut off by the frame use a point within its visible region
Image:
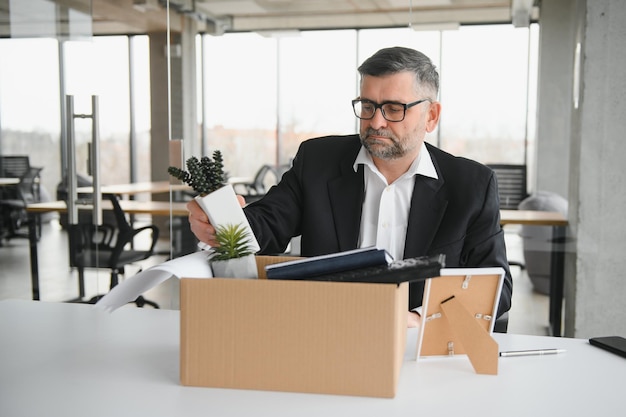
[392, 111]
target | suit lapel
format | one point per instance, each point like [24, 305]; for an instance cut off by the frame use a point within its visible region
[427, 210]
[346, 200]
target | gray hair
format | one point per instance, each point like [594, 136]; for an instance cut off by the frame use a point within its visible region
[398, 59]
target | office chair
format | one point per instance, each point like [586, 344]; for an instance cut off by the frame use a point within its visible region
[258, 187]
[14, 166]
[512, 189]
[14, 201]
[109, 246]
[537, 241]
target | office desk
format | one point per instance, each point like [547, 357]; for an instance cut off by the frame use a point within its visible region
[558, 222]
[152, 187]
[62, 359]
[163, 208]
[155, 208]
[9, 181]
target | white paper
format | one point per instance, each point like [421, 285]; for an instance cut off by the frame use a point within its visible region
[195, 265]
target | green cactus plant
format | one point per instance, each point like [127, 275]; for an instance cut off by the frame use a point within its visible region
[204, 175]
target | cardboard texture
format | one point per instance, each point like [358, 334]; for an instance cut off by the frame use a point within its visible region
[458, 316]
[299, 336]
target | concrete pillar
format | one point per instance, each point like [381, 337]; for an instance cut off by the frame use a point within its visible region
[160, 113]
[581, 123]
[597, 199]
[554, 95]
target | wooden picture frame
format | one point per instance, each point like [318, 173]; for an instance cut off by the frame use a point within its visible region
[458, 315]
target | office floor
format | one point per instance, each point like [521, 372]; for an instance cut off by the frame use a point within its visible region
[58, 282]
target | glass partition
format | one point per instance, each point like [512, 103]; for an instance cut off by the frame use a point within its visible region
[254, 96]
[52, 49]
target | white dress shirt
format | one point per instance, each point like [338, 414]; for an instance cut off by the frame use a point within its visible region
[386, 206]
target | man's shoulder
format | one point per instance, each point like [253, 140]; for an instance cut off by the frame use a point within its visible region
[334, 141]
[445, 160]
[330, 149]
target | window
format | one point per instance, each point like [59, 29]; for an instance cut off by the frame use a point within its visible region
[30, 116]
[485, 93]
[305, 84]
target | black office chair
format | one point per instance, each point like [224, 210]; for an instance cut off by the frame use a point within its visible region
[14, 201]
[109, 246]
[512, 189]
[14, 166]
[512, 184]
[252, 191]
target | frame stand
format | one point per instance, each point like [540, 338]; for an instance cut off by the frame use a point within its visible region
[480, 347]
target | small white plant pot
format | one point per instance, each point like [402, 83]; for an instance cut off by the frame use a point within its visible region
[235, 268]
[222, 208]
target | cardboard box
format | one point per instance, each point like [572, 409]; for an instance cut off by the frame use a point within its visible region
[300, 336]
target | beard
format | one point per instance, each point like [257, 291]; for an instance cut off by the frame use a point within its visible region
[383, 149]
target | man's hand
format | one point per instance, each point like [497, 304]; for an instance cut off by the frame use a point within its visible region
[413, 319]
[200, 225]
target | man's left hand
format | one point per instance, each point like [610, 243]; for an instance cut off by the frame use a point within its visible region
[413, 319]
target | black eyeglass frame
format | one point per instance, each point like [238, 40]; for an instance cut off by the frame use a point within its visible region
[380, 106]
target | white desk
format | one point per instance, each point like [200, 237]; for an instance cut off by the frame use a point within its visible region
[9, 181]
[73, 360]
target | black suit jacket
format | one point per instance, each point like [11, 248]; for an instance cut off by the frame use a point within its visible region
[320, 198]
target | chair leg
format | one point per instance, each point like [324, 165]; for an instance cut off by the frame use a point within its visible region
[114, 278]
[141, 301]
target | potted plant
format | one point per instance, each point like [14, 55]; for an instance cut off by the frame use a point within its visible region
[207, 177]
[204, 175]
[233, 257]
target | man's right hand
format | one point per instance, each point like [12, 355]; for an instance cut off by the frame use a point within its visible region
[200, 225]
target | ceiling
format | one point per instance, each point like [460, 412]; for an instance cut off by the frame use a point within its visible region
[220, 16]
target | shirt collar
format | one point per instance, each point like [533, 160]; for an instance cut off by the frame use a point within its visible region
[422, 165]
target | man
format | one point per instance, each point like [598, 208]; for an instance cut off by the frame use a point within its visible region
[384, 187]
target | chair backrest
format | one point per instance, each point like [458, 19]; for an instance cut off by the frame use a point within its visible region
[281, 170]
[512, 186]
[125, 230]
[86, 237]
[28, 187]
[14, 166]
[261, 179]
[108, 238]
[120, 217]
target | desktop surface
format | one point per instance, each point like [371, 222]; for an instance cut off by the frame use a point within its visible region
[61, 359]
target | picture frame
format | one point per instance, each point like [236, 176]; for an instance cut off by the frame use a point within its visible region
[458, 315]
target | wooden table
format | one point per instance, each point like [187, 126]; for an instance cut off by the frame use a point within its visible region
[153, 187]
[154, 208]
[559, 223]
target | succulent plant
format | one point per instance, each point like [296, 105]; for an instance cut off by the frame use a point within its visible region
[204, 175]
[233, 240]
